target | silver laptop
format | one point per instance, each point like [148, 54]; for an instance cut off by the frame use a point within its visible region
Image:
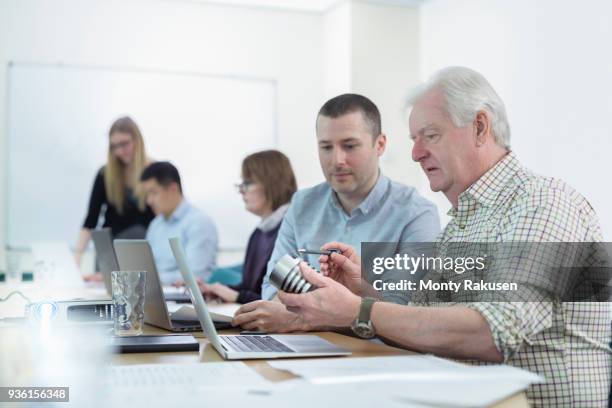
[107, 262]
[136, 255]
[239, 347]
[105, 255]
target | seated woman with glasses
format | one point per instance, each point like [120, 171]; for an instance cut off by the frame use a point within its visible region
[267, 186]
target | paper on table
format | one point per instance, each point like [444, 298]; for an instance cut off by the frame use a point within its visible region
[219, 312]
[416, 378]
[212, 383]
[361, 369]
[302, 394]
[405, 368]
[230, 388]
[457, 393]
[207, 375]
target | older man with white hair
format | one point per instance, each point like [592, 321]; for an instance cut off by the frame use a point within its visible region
[462, 141]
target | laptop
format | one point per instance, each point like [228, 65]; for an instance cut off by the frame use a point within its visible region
[240, 347]
[107, 262]
[136, 255]
[105, 254]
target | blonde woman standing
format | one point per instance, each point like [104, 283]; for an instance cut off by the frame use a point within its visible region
[116, 187]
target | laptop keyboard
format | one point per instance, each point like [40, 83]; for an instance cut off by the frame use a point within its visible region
[257, 344]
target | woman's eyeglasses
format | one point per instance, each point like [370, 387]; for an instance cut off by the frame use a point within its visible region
[120, 146]
[245, 186]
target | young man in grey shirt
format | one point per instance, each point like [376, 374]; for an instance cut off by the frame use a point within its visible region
[357, 203]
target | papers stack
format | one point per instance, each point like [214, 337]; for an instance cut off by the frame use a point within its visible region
[414, 379]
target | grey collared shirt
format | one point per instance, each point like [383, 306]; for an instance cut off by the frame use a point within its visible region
[392, 212]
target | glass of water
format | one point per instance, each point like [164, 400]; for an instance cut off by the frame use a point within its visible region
[128, 301]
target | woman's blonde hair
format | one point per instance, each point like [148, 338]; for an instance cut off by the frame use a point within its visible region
[115, 178]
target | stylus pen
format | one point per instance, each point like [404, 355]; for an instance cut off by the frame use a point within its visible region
[315, 252]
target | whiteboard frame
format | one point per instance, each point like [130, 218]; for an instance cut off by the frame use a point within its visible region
[131, 69]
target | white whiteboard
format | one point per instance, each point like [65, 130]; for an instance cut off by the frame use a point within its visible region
[58, 120]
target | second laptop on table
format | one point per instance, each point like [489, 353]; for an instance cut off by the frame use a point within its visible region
[239, 347]
[136, 255]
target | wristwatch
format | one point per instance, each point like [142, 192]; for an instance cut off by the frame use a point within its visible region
[363, 326]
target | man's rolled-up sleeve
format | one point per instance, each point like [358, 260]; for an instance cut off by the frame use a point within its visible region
[513, 324]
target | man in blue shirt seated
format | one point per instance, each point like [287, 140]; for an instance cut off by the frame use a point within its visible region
[357, 203]
[175, 217]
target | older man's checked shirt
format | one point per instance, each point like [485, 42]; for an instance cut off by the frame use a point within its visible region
[565, 342]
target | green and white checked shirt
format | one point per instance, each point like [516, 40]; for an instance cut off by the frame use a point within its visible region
[567, 343]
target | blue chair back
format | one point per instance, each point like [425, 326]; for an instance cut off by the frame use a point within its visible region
[227, 275]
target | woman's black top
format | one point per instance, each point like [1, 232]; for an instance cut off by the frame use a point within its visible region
[131, 216]
[258, 253]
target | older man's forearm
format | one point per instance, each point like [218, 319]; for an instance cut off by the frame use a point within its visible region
[456, 331]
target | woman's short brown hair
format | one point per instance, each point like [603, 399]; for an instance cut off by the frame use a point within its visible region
[272, 169]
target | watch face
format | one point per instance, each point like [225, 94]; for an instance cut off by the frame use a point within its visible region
[364, 330]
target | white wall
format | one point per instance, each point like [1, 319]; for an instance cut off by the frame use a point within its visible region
[178, 36]
[385, 60]
[373, 49]
[551, 62]
[337, 49]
